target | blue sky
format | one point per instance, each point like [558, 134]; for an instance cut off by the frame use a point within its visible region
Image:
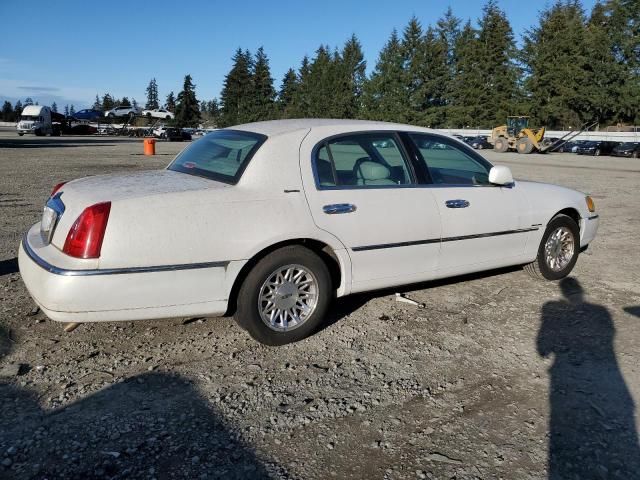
[67, 51]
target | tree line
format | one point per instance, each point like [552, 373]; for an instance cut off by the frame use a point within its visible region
[572, 68]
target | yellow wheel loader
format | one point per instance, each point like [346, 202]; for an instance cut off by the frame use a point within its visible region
[516, 135]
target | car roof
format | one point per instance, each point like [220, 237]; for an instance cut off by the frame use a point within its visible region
[272, 128]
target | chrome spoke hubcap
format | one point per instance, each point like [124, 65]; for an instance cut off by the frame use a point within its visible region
[559, 248]
[288, 297]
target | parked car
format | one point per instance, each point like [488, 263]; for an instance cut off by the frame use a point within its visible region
[627, 149]
[88, 114]
[82, 129]
[122, 112]
[272, 220]
[159, 132]
[479, 143]
[173, 134]
[596, 148]
[159, 113]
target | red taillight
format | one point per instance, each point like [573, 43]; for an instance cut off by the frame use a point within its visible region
[56, 188]
[85, 237]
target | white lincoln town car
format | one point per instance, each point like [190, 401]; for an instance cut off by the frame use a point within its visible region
[270, 221]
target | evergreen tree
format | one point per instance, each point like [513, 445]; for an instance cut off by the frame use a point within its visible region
[66, 110]
[7, 112]
[555, 58]
[97, 104]
[352, 73]
[262, 91]
[170, 102]
[28, 101]
[434, 88]
[187, 106]
[152, 95]
[467, 82]
[54, 107]
[125, 102]
[72, 110]
[496, 55]
[414, 68]
[287, 93]
[322, 84]
[107, 102]
[299, 106]
[235, 98]
[17, 110]
[134, 104]
[448, 31]
[385, 92]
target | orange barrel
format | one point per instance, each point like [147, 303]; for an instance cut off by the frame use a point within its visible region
[149, 146]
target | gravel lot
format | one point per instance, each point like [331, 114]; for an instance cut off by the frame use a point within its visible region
[501, 376]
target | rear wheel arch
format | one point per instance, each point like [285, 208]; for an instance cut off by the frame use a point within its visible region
[323, 250]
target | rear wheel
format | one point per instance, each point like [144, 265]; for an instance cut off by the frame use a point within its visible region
[558, 251]
[285, 296]
[501, 145]
[524, 145]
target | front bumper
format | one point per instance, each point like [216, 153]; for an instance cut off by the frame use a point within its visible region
[588, 229]
[139, 293]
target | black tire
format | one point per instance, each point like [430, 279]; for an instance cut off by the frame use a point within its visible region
[20, 134]
[501, 145]
[524, 145]
[167, 117]
[247, 313]
[539, 267]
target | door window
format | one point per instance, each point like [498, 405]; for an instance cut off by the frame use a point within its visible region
[448, 163]
[361, 160]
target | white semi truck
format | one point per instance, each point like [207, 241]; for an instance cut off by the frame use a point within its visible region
[37, 119]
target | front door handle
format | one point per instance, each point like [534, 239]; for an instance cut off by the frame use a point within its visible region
[457, 203]
[338, 208]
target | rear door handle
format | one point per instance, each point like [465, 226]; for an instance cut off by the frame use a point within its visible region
[336, 208]
[457, 203]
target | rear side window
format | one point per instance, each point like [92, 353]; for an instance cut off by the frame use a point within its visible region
[361, 160]
[449, 163]
[221, 155]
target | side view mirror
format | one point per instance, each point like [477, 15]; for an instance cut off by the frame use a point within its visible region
[500, 175]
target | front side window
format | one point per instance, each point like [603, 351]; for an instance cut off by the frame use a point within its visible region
[221, 155]
[361, 160]
[448, 163]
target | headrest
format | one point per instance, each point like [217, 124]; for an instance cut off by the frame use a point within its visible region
[373, 171]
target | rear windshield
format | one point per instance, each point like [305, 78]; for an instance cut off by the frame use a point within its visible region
[221, 155]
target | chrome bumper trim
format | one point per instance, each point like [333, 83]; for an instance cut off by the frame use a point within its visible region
[114, 271]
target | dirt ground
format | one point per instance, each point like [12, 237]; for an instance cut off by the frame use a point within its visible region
[501, 376]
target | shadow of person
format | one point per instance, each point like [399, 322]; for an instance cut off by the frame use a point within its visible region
[154, 425]
[592, 431]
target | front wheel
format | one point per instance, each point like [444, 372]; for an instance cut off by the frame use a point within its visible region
[285, 296]
[558, 251]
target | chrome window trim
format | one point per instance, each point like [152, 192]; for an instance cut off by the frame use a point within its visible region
[42, 263]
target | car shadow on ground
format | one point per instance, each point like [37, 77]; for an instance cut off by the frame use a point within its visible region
[345, 306]
[9, 266]
[592, 432]
[154, 425]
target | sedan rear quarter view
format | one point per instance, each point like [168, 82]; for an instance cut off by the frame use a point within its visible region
[271, 221]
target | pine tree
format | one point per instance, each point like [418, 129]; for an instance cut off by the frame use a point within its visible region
[7, 112]
[448, 31]
[262, 92]
[107, 102]
[72, 110]
[170, 102]
[97, 104]
[414, 68]
[187, 106]
[54, 107]
[467, 82]
[299, 107]
[125, 102]
[322, 84]
[287, 93]
[352, 72]
[235, 98]
[66, 110]
[385, 92]
[17, 110]
[134, 104]
[434, 87]
[554, 54]
[28, 101]
[152, 95]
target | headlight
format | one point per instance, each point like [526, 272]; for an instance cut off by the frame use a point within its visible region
[590, 203]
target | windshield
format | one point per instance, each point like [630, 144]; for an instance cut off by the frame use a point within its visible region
[589, 144]
[29, 118]
[221, 155]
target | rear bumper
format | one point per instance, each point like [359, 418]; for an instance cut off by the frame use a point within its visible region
[141, 293]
